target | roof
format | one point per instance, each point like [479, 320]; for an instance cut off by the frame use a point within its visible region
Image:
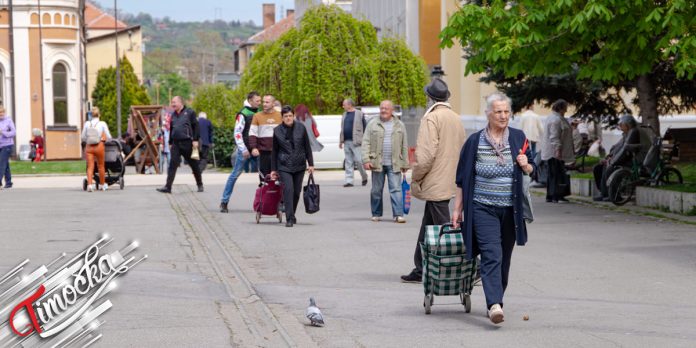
[112, 33]
[273, 32]
[98, 19]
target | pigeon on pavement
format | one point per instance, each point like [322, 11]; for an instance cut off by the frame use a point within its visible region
[314, 314]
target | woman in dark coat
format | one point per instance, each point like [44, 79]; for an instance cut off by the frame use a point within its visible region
[489, 173]
[290, 158]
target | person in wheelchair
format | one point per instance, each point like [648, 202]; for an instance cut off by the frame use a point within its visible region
[620, 155]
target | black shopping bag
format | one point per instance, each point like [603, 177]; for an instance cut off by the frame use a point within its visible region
[311, 196]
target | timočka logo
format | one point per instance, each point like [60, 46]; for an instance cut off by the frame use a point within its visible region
[62, 308]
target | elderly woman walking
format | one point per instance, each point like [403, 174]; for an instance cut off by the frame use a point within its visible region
[489, 175]
[291, 156]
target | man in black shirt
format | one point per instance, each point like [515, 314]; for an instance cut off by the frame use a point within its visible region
[183, 138]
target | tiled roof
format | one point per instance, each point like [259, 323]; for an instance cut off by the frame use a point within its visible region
[274, 31]
[97, 19]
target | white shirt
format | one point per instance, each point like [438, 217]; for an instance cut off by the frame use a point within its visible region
[99, 125]
[532, 126]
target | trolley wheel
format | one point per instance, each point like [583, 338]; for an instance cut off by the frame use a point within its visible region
[120, 182]
[428, 302]
[466, 301]
[258, 217]
[84, 184]
[280, 217]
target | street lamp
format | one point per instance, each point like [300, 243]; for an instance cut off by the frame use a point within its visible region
[437, 72]
[118, 72]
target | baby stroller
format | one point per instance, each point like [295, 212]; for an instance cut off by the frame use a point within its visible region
[114, 165]
[268, 198]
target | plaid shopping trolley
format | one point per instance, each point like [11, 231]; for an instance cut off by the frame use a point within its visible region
[446, 271]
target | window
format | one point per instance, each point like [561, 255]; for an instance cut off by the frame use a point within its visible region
[60, 94]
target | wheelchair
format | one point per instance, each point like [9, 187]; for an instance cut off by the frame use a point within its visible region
[653, 171]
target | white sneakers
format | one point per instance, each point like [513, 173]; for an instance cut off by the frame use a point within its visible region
[376, 219]
[399, 220]
[496, 314]
[93, 187]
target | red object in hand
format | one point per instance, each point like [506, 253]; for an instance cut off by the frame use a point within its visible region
[525, 146]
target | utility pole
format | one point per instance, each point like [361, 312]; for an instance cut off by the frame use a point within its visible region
[118, 72]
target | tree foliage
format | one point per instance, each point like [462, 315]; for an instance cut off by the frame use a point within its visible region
[173, 83]
[104, 93]
[221, 104]
[333, 56]
[602, 46]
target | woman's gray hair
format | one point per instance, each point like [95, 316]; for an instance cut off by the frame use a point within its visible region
[629, 121]
[497, 97]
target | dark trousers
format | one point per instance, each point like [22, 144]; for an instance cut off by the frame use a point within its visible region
[178, 149]
[203, 152]
[494, 233]
[555, 179]
[292, 187]
[265, 162]
[436, 213]
[601, 173]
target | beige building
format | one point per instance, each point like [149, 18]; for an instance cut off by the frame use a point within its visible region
[102, 31]
[42, 72]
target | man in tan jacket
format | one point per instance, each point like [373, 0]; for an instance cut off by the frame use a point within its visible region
[440, 139]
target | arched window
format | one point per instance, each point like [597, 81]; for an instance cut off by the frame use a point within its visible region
[60, 94]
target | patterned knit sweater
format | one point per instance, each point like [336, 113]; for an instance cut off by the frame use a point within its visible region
[493, 182]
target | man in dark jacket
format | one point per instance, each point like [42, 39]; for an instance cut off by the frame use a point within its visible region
[183, 138]
[206, 129]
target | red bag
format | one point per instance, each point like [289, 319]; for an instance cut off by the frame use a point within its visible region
[314, 129]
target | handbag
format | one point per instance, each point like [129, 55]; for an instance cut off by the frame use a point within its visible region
[311, 196]
[406, 192]
[195, 155]
[527, 210]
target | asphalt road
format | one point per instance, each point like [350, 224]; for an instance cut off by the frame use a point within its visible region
[587, 277]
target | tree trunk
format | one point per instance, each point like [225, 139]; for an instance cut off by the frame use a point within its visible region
[647, 101]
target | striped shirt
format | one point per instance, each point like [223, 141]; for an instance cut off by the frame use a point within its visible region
[493, 182]
[387, 145]
[261, 130]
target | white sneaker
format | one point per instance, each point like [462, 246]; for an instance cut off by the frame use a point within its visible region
[496, 314]
[90, 188]
[376, 219]
[399, 220]
[104, 187]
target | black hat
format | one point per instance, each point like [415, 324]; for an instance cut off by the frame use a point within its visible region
[437, 90]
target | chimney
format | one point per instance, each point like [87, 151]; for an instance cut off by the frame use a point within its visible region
[269, 15]
[289, 12]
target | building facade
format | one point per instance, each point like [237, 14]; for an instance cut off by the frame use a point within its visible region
[42, 71]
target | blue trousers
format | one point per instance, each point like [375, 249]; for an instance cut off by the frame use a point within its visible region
[239, 165]
[397, 199]
[5, 154]
[494, 233]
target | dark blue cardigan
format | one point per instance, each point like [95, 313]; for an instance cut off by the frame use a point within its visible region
[465, 180]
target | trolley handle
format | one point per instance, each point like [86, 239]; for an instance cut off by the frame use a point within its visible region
[447, 228]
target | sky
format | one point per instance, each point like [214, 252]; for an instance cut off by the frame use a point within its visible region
[200, 10]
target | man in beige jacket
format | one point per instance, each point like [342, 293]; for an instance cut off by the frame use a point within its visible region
[440, 139]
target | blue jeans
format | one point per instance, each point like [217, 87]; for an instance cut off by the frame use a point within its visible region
[239, 165]
[5, 154]
[251, 165]
[494, 232]
[397, 203]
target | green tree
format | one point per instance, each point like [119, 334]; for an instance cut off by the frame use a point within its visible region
[333, 56]
[643, 46]
[104, 93]
[170, 84]
[221, 104]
